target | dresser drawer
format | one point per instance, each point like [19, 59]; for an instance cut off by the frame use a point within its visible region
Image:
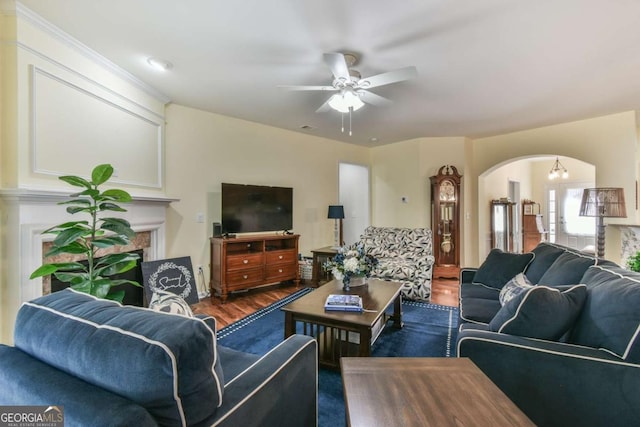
[281, 257]
[281, 272]
[237, 262]
[241, 278]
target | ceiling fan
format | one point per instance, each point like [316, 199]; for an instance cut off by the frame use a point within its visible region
[353, 90]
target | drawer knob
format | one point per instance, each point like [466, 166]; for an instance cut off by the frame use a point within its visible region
[245, 277]
[245, 261]
[280, 270]
[280, 257]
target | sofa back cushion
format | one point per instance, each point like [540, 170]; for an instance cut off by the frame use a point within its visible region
[545, 255]
[567, 269]
[610, 318]
[500, 267]
[166, 363]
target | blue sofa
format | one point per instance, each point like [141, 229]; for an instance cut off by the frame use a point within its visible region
[115, 365]
[565, 346]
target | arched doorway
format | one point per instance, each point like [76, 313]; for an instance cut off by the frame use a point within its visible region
[556, 198]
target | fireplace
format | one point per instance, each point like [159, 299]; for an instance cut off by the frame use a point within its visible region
[30, 212]
[133, 295]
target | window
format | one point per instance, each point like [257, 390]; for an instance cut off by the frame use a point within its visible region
[552, 216]
[574, 223]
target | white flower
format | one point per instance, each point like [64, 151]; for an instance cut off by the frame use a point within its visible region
[337, 274]
[351, 265]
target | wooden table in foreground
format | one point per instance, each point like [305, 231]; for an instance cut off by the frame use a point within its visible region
[342, 333]
[424, 391]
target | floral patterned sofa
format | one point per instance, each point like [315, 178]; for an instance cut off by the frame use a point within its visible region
[404, 255]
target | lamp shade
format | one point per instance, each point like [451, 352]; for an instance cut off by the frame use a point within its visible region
[603, 202]
[336, 212]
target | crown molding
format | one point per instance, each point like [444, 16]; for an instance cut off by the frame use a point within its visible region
[28, 15]
[55, 196]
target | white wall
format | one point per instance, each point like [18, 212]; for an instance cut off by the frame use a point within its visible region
[205, 149]
[64, 112]
[74, 112]
[403, 170]
[609, 143]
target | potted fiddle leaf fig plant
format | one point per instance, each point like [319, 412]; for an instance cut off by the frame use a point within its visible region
[85, 237]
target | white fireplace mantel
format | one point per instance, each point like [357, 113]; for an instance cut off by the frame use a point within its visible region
[27, 213]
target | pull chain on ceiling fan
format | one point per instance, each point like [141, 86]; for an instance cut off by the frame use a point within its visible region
[353, 89]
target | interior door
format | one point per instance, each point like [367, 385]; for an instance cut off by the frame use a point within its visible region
[566, 226]
[354, 196]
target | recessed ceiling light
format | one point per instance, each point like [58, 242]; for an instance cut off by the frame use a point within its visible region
[373, 139]
[159, 64]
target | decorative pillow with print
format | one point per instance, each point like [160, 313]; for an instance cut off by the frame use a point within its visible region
[514, 287]
[168, 302]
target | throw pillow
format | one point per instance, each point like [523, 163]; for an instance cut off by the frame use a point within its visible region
[540, 312]
[500, 267]
[168, 302]
[514, 287]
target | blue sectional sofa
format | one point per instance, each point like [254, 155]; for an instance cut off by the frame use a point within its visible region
[112, 365]
[564, 344]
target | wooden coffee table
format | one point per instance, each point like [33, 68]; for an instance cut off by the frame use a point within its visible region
[342, 333]
[424, 391]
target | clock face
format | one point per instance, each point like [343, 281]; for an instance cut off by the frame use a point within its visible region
[447, 192]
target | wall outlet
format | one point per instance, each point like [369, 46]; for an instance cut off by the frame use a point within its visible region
[200, 217]
[200, 270]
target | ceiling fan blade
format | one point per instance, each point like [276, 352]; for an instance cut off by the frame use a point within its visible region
[338, 65]
[373, 99]
[324, 107]
[292, 88]
[388, 77]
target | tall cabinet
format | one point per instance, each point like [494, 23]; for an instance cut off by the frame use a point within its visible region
[445, 221]
[533, 231]
[502, 224]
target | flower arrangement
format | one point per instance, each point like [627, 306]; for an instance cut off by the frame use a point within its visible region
[351, 261]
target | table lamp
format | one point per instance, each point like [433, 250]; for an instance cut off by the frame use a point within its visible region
[603, 203]
[336, 212]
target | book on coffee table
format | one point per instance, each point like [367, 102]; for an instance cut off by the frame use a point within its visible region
[336, 302]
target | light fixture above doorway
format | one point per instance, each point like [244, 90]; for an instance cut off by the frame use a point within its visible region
[558, 170]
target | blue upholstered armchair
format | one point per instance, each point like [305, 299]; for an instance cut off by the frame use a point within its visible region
[404, 255]
[113, 365]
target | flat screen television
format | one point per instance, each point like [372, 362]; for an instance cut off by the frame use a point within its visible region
[254, 208]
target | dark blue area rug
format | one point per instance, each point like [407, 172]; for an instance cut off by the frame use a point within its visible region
[429, 330]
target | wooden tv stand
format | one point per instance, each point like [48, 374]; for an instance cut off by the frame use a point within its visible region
[251, 261]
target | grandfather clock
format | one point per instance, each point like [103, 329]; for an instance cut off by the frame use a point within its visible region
[445, 221]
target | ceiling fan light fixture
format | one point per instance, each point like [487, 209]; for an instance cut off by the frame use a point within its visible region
[345, 100]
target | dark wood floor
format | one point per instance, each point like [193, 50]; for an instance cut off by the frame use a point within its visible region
[443, 292]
